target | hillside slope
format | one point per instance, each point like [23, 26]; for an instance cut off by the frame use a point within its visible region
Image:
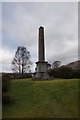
[74, 65]
[43, 99]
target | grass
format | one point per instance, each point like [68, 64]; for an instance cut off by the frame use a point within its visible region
[0, 97]
[43, 99]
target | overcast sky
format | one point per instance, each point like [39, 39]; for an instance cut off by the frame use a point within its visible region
[20, 24]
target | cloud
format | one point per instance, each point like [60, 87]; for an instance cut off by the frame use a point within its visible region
[6, 56]
[22, 20]
[0, 24]
[38, 0]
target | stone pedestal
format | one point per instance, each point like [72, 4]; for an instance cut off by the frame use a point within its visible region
[41, 71]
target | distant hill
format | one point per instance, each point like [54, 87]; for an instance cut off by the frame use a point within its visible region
[74, 65]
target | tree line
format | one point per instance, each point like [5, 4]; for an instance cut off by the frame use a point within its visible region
[64, 72]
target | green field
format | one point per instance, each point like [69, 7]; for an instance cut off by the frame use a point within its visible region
[43, 99]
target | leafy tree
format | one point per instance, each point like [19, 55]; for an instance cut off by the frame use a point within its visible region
[76, 73]
[56, 64]
[65, 72]
[21, 62]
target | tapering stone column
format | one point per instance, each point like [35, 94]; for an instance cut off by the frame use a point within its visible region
[41, 50]
[42, 66]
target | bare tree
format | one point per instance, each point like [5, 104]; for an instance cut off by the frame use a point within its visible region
[21, 62]
[56, 64]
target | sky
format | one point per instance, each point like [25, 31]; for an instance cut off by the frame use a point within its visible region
[20, 24]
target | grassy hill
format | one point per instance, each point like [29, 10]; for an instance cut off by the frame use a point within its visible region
[74, 65]
[43, 99]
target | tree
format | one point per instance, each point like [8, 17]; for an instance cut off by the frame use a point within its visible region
[56, 64]
[21, 62]
[65, 72]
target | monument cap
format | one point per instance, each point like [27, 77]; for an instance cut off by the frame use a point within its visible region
[41, 27]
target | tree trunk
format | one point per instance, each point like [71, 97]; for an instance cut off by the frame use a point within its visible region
[22, 70]
[19, 67]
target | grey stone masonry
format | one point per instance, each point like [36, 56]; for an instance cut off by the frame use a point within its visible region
[41, 46]
[41, 65]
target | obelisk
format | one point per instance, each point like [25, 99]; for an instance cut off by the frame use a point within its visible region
[42, 65]
[41, 50]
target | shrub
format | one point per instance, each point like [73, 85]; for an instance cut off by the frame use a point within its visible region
[54, 72]
[76, 74]
[6, 98]
[5, 88]
[26, 75]
[64, 72]
[5, 82]
[19, 76]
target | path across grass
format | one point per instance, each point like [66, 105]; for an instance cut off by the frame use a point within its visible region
[43, 99]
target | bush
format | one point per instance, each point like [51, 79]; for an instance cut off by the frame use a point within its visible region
[76, 74]
[54, 73]
[5, 82]
[6, 98]
[19, 76]
[64, 72]
[5, 88]
[26, 75]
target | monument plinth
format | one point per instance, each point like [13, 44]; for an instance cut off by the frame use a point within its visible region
[42, 65]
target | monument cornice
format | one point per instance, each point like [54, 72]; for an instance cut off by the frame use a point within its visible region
[41, 62]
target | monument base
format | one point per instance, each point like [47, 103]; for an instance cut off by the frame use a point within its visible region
[41, 72]
[41, 76]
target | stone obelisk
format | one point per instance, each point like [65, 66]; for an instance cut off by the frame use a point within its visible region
[41, 46]
[42, 65]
